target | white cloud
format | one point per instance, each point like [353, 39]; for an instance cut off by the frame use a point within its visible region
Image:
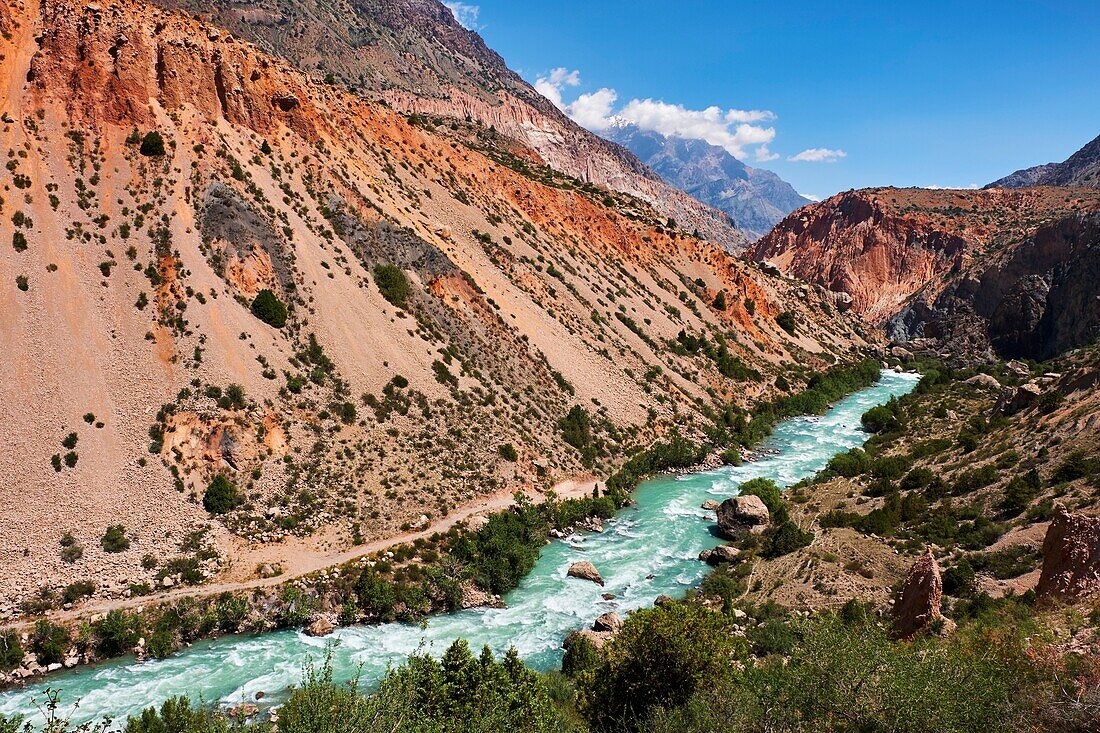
[742, 133]
[465, 14]
[729, 129]
[810, 196]
[818, 155]
[935, 187]
[593, 110]
[551, 86]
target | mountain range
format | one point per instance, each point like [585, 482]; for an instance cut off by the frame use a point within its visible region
[756, 199]
[1080, 169]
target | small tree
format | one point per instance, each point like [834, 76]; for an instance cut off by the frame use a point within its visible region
[221, 495]
[392, 283]
[508, 452]
[269, 309]
[114, 539]
[152, 145]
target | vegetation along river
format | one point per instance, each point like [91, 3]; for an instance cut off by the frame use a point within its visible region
[648, 549]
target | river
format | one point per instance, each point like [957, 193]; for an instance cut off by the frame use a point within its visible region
[648, 549]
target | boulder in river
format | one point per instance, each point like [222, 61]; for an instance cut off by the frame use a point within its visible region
[1071, 556]
[742, 515]
[918, 605]
[720, 554]
[711, 505]
[585, 571]
[320, 626]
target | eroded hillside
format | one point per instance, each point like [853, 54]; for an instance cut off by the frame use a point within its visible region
[219, 266]
[998, 270]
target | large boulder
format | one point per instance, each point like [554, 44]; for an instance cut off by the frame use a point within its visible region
[720, 554]
[585, 571]
[742, 515]
[984, 381]
[918, 605]
[475, 597]
[596, 638]
[1071, 556]
[320, 626]
[609, 621]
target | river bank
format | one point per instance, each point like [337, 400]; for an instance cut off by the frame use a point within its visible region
[647, 550]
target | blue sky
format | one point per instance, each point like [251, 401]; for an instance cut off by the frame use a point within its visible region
[927, 94]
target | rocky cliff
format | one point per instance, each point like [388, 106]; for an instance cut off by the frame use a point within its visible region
[1001, 269]
[415, 56]
[215, 264]
[756, 199]
[1080, 169]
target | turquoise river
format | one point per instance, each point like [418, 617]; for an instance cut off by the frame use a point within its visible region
[648, 549]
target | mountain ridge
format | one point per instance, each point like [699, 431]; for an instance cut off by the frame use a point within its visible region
[1080, 169]
[755, 198]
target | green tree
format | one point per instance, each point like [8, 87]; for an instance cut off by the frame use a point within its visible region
[392, 283]
[268, 308]
[221, 495]
[152, 145]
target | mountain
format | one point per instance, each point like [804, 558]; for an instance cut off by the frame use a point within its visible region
[252, 319]
[1004, 270]
[414, 56]
[756, 199]
[1080, 169]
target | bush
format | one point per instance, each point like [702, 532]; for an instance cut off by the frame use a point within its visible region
[77, 591]
[268, 308]
[392, 283]
[114, 539]
[770, 494]
[11, 651]
[376, 595]
[508, 452]
[221, 496]
[50, 642]
[581, 656]
[116, 633]
[660, 658]
[152, 145]
[850, 464]
[879, 419]
[785, 538]
[960, 580]
[785, 320]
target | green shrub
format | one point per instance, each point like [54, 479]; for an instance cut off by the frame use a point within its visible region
[221, 496]
[77, 591]
[508, 452]
[660, 658]
[376, 595]
[152, 145]
[879, 419]
[392, 283]
[268, 308]
[114, 539]
[785, 320]
[770, 494]
[11, 651]
[116, 633]
[50, 642]
[581, 656]
[959, 580]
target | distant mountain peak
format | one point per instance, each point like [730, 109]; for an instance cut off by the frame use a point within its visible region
[1080, 169]
[756, 199]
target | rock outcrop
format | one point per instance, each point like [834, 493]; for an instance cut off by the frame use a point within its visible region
[1071, 556]
[918, 604]
[585, 570]
[1001, 271]
[741, 515]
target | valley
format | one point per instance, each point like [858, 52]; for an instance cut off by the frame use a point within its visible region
[351, 384]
